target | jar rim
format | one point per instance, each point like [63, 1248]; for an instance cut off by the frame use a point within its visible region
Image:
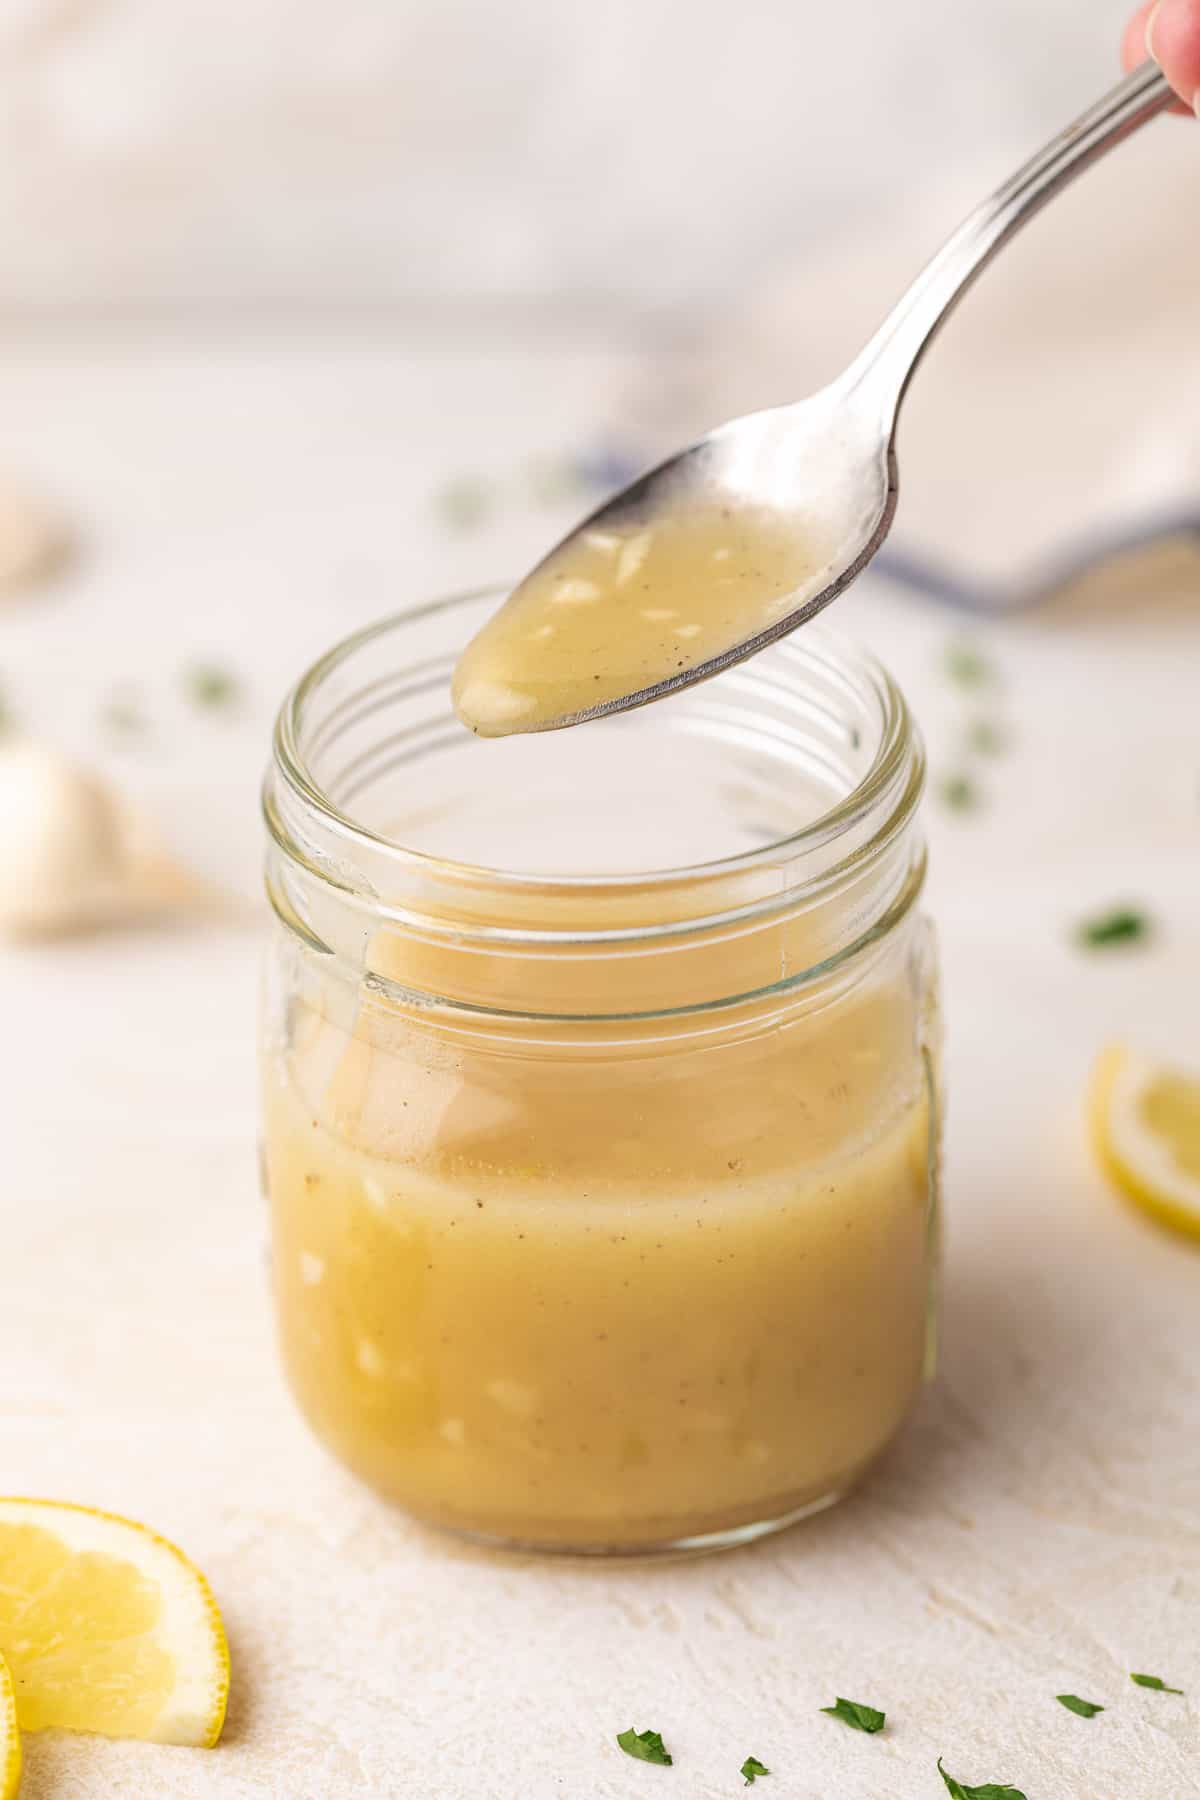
[896, 773]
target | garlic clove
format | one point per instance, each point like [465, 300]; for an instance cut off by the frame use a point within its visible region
[32, 539]
[73, 855]
[152, 880]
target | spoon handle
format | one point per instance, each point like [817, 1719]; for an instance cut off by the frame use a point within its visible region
[884, 366]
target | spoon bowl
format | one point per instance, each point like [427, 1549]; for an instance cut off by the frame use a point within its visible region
[815, 481]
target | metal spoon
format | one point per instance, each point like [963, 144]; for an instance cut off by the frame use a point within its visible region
[835, 452]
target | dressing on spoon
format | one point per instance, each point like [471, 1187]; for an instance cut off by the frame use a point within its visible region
[629, 606]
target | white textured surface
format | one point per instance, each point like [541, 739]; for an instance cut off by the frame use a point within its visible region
[1038, 1527]
[640, 151]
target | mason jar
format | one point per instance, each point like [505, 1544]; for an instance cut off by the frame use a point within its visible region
[600, 1092]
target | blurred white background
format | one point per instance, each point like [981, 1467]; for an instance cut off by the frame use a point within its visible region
[313, 308]
[611, 157]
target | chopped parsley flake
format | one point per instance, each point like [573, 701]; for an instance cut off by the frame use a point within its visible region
[968, 666]
[1156, 1682]
[856, 1715]
[1087, 1709]
[464, 503]
[752, 1769]
[959, 793]
[991, 1790]
[1123, 925]
[207, 684]
[644, 1746]
[553, 480]
[986, 737]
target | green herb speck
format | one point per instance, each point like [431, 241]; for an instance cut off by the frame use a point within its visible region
[1156, 1682]
[644, 1746]
[986, 738]
[553, 480]
[968, 666]
[991, 1790]
[959, 793]
[210, 685]
[752, 1769]
[1123, 925]
[464, 503]
[856, 1715]
[1087, 1709]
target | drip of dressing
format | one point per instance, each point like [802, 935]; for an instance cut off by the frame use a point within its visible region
[619, 610]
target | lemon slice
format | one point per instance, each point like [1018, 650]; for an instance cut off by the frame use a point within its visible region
[10, 1738]
[108, 1628]
[1146, 1127]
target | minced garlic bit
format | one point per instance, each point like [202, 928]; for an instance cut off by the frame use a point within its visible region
[370, 1359]
[632, 555]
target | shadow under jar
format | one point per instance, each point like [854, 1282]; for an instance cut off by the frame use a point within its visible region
[600, 1092]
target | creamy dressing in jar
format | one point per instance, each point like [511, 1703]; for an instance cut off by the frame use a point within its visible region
[604, 1206]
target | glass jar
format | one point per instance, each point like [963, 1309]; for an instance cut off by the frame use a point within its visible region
[600, 1092]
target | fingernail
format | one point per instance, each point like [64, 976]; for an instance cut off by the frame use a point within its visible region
[1150, 24]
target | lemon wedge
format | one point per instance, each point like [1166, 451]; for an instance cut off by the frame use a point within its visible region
[10, 1738]
[1146, 1128]
[108, 1628]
